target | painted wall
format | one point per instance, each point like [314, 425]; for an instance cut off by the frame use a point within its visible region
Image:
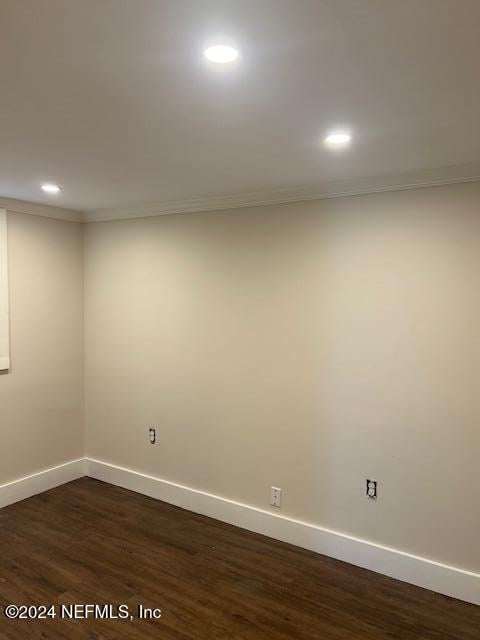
[41, 398]
[307, 346]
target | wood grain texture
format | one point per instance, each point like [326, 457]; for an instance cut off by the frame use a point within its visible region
[89, 542]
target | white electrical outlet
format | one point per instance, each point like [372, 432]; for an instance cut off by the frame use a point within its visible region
[275, 496]
[372, 489]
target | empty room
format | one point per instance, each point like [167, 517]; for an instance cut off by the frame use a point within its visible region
[239, 320]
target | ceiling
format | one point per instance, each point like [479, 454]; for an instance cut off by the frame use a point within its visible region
[113, 100]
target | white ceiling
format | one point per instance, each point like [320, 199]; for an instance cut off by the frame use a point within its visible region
[112, 99]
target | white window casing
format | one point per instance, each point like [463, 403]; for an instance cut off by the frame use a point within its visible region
[4, 315]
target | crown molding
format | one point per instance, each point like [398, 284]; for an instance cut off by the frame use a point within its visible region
[412, 180]
[455, 174]
[34, 209]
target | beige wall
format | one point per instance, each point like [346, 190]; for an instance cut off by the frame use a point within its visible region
[41, 398]
[307, 346]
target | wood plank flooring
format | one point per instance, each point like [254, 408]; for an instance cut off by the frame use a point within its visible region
[89, 542]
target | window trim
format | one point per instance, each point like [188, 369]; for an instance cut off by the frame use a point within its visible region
[4, 307]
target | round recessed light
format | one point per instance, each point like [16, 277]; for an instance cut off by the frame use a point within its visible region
[338, 139]
[221, 54]
[51, 188]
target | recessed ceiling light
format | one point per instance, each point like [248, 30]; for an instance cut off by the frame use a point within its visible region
[338, 139]
[51, 188]
[221, 54]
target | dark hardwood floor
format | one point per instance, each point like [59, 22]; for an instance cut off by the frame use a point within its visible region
[89, 542]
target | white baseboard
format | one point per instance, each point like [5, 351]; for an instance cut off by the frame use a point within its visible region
[450, 581]
[41, 481]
